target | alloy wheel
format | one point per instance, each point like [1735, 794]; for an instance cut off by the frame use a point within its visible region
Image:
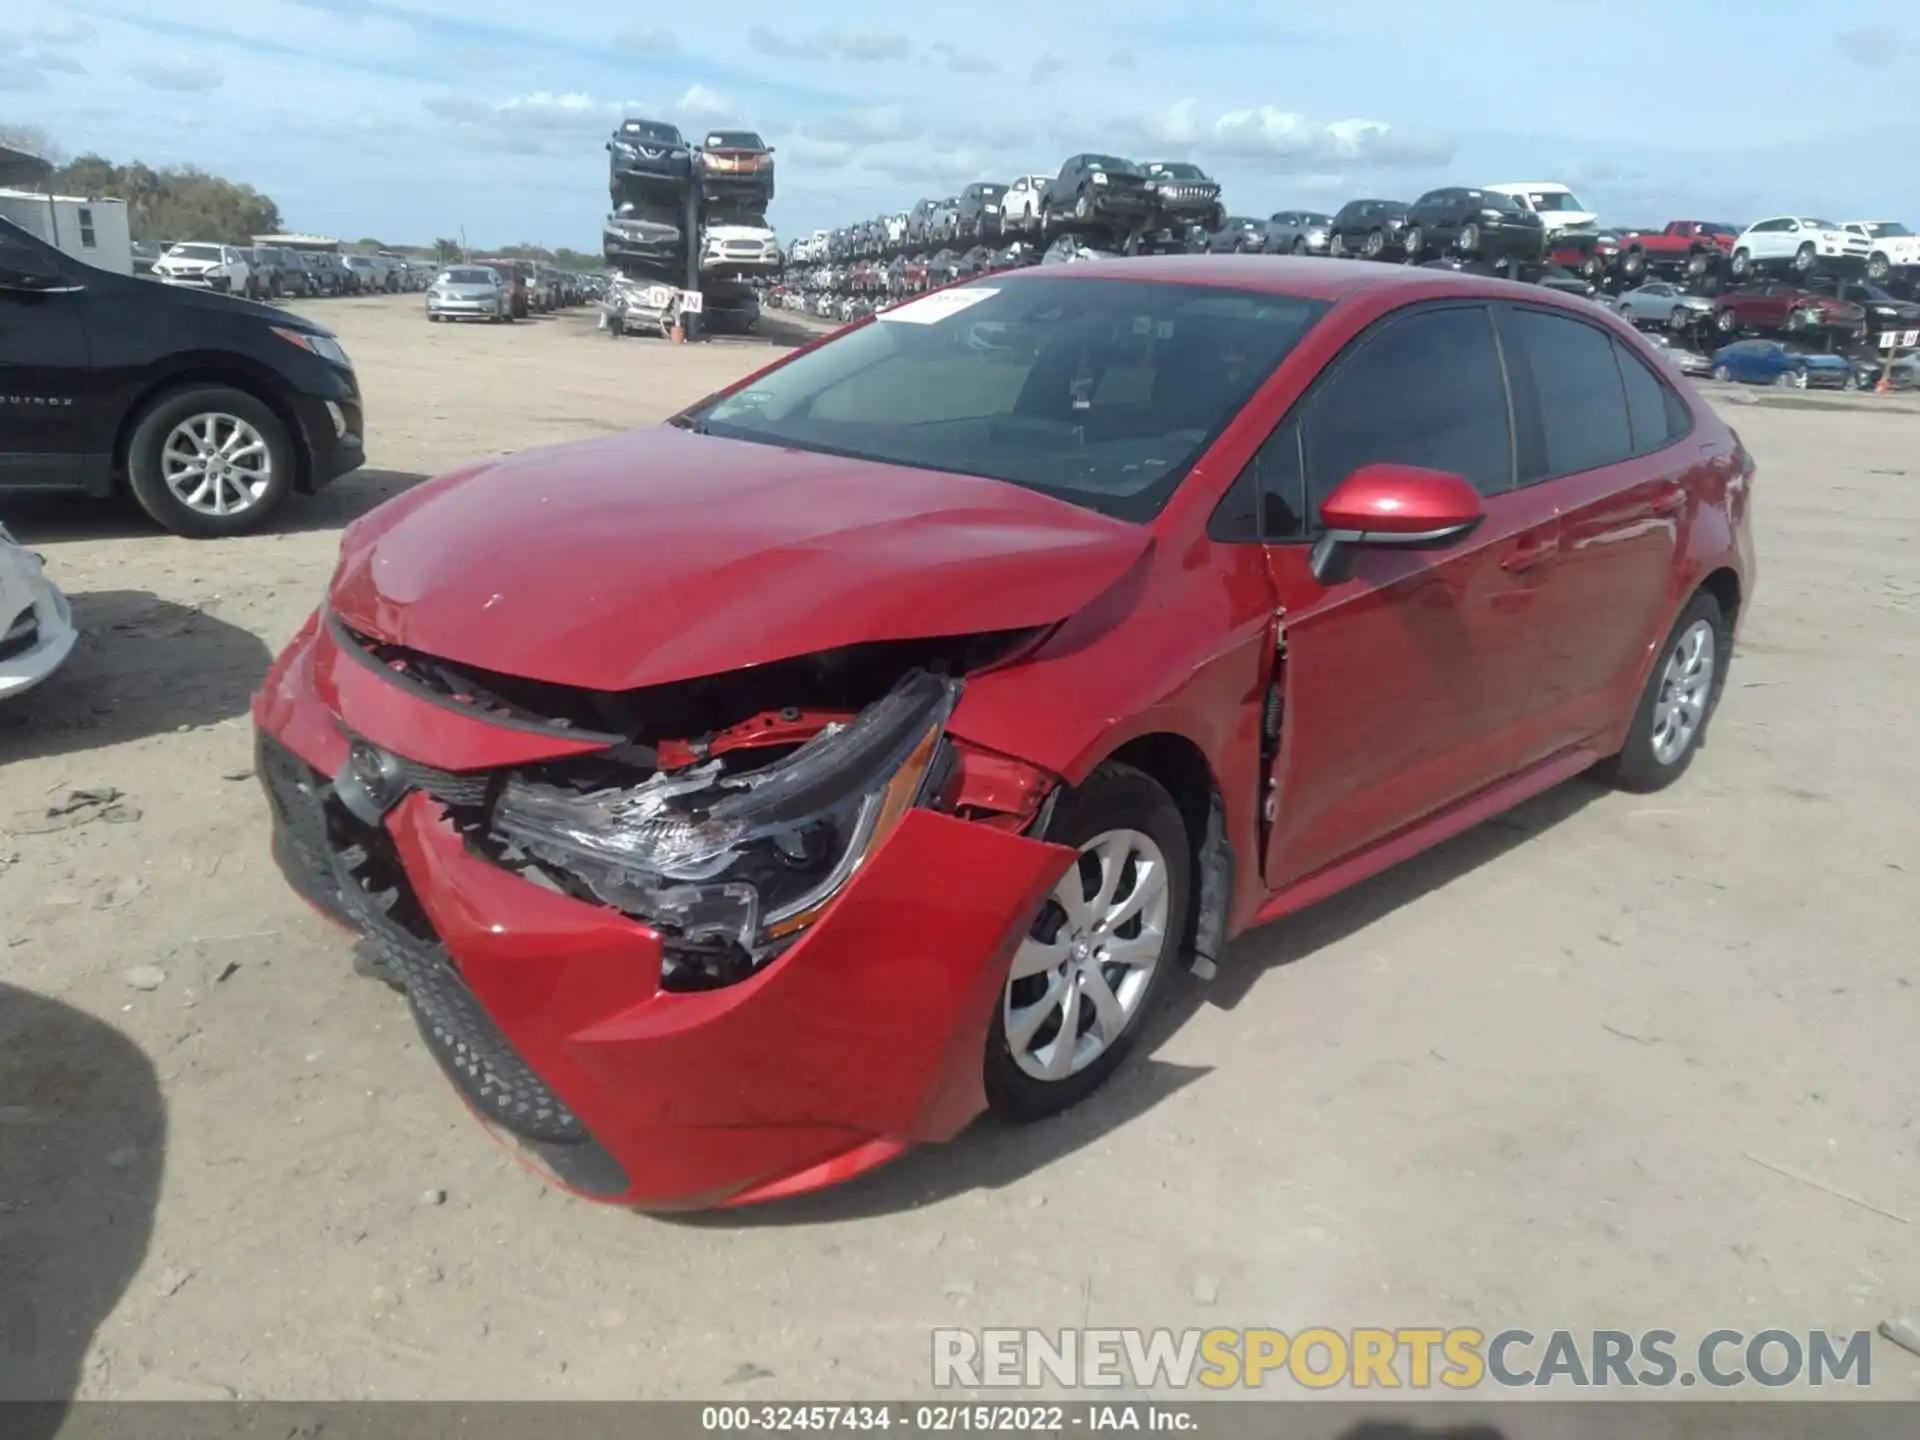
[1686, 685]
[1080, 976]
[216, 464]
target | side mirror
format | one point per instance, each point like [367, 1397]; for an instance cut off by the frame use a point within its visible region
[1390, 506]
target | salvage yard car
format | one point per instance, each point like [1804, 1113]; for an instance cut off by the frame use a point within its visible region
[211, 410]
[36, 625]
[988, 660]
[469, 292]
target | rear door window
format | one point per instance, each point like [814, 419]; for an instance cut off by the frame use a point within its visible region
[1576, 383]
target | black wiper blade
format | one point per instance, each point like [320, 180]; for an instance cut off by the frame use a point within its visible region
[690, 423]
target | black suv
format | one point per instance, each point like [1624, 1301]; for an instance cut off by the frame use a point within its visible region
[1368, 227]
[1479, 224]
[979, 214]
[1185, 195]
[1100, 187]
[650, 152]
[210, 409]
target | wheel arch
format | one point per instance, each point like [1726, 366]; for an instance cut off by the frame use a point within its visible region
[1180, 766]
[1724, 585]
[213, 371]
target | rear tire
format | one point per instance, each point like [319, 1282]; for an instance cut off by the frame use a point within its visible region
[1416, 244]
[146, 476]
[1633, 264]
[1741, 264]
[1722, 374]
[1668, 728]
[1114, 801]
[1803, 259]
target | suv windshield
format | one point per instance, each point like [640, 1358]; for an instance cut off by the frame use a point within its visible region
[1818, 224]
[1102, 393]
[1179, 170]
[1554, 200]
[1885, 229]
[196, 252]
[1111, 164]
[648, 130]
[734, 140]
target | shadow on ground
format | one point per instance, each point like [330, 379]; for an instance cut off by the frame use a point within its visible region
[82, 1136]
[55, 517]
[143, 666]
[990, 1155]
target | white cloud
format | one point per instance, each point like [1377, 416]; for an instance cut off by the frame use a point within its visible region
[1286, 139]
[962, 62]
[1874, 46]
[636, 39]
[878, 125]
[175, 72]
[701, 103]
[862, 44]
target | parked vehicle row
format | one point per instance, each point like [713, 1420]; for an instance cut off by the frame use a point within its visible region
[273, 272]
[1116, 204]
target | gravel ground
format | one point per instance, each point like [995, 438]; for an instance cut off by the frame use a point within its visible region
[1608, 1061]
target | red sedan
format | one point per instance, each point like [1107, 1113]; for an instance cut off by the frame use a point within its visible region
[742, 801]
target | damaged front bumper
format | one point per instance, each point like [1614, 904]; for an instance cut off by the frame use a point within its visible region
[861, 1037]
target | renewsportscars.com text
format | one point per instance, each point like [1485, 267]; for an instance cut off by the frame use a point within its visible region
[1322, 1358]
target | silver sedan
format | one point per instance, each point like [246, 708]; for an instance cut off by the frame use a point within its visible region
[468, 292]
[1658, 303]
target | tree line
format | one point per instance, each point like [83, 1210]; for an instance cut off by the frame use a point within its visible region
[183, 202]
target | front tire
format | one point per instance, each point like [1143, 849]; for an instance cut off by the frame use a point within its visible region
[1376, 244]
[211, 461]
[1093, 966]
[1878, 267]
[1670, 722]
[1742, 263]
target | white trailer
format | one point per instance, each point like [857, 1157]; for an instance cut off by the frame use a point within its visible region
[91, 230]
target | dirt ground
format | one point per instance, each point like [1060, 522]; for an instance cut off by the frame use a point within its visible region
[1608, 1061]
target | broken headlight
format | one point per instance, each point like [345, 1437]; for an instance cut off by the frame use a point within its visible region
[750, 858]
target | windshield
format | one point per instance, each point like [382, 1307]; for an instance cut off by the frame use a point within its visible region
[1818, 224]
[1179, 170]
[1100, 392]
[1885, 229]
[195, 252]
[1550, 200]
[1113, 165]
[360, 262]
[734, 140]
[648, 130]
[471, 276]
[1494, 200]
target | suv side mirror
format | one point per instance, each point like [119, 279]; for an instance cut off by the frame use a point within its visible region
[1392, 506]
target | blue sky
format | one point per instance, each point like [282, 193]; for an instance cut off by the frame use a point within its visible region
[407, 119]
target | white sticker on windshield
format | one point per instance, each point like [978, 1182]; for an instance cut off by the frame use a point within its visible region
[932, 309]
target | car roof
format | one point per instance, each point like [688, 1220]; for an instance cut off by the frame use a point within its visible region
[1307, 278]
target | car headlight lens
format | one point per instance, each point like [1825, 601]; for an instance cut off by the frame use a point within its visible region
[745, 858]
[325, 346]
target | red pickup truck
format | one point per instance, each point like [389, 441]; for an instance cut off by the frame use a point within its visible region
[1689, 246]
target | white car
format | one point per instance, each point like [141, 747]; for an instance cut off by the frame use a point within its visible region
[1023, 206]
[896, 230]
[207, 267]
[1891, 246]
[1557, 206]
[1798, 241]
[739, 249]
[36, 627]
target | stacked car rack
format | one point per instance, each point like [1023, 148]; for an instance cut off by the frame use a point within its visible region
[686, 229]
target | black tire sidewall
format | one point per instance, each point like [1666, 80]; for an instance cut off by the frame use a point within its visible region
[1635, 768]
[1113, 797]
[150, 489]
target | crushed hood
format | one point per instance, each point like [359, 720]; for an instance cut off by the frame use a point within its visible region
[663, 555]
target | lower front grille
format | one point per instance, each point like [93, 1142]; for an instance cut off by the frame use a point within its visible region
[351, 871]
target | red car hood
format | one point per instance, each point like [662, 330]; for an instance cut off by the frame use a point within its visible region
[663, 555]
